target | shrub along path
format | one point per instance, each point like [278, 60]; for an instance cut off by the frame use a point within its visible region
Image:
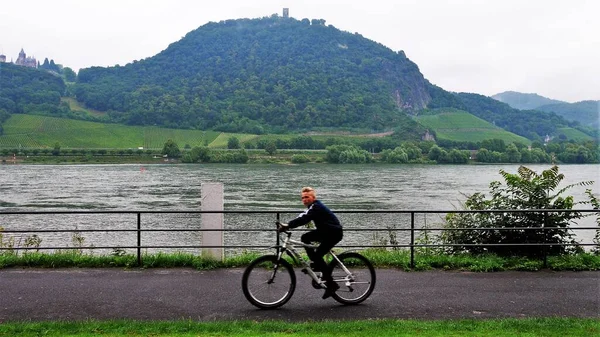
[173, 294]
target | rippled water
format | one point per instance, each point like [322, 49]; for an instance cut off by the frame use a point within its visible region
[247, 187]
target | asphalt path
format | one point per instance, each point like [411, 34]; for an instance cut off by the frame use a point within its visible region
[174, 294]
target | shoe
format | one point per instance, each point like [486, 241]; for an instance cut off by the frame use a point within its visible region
[331, 288]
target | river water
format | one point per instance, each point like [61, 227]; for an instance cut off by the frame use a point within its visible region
[168, 187]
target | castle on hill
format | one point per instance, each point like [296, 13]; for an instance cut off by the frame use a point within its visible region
[22, 60]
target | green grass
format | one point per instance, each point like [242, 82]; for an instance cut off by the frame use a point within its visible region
[76, 107]
[462, 126]
[221, 140]
[31, 131]
[379, 257]
[525, 327]
[575, 134]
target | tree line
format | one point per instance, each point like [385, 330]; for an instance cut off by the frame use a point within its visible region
[344, 152]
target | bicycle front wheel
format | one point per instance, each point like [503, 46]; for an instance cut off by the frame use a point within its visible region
[355, 276]
[268, 282]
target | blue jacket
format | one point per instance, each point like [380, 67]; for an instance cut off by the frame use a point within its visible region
[322, 216]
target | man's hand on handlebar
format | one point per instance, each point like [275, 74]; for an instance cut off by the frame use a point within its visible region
[282, 227]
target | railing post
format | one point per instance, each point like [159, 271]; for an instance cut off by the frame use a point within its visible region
[545, 247]
[412, 240]
[139, 239]
[277, 234]
[213, 201]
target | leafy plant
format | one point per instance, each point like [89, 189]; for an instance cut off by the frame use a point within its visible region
[526, 190]
[596, 205]
[33, 241]
[78, 240]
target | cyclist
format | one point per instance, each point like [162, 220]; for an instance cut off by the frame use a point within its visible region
[328, 233]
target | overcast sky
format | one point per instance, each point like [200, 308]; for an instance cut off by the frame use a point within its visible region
[548, 47]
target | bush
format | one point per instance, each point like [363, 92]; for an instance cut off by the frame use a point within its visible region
[347, 154]
[523, 191]
[299, 159]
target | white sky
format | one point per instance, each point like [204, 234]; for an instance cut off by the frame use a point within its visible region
[548, 47]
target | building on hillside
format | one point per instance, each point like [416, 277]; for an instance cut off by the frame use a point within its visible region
[2, 58]
[25, 61]
[286, 13]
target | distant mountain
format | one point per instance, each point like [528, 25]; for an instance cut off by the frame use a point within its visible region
[585, 112]
[523, 101]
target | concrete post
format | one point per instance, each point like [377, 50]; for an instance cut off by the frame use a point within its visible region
[212, 200]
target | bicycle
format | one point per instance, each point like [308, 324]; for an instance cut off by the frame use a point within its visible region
[269, 281]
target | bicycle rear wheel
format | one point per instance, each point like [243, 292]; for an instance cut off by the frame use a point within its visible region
[356, 280]
[268, 283]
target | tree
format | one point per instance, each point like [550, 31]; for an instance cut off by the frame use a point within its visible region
[200, 154]
[56, 150]
[395, 156]
[494, 144]
[233, 143]
[513, 154]
[171, 149]
[525, 190]
[271, 148]
[434, 153]
[69, 74]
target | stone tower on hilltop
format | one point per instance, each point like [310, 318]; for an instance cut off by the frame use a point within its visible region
[25, 61]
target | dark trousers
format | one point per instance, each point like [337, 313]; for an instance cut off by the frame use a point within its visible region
[327, 239]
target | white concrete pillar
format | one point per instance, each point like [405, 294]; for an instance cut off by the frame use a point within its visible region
[212, 200]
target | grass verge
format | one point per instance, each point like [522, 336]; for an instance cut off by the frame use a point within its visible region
[380, 259]
[496, 327]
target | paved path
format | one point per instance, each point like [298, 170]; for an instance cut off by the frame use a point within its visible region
[171, 294]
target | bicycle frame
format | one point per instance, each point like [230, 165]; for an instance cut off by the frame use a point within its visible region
[289, 247]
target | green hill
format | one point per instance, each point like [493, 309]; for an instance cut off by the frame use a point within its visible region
[459, 125]
[30, 131]
[262, 76]
[249, 75]
[27, 90]
[571, 133]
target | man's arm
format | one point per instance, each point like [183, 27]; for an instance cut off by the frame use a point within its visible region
[302, 219]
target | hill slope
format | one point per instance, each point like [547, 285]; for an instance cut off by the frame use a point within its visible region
[584, 112]
[29, 131]
[27, 90]
[461, 126]
[241, 75]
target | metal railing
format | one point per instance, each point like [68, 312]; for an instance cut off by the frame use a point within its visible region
[412, 243]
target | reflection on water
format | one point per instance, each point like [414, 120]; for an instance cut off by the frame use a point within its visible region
[247, 187]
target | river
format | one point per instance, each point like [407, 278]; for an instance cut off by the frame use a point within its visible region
[167, 187]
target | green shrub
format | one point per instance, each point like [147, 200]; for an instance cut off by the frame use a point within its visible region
[526, 190]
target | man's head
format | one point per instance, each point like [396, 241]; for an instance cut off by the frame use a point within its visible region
[308, 196]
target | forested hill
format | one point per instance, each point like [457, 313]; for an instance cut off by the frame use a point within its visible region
[240, 75]
[264, 75]
[27, 90]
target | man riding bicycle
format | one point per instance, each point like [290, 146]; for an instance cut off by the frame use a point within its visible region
[328, 233]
